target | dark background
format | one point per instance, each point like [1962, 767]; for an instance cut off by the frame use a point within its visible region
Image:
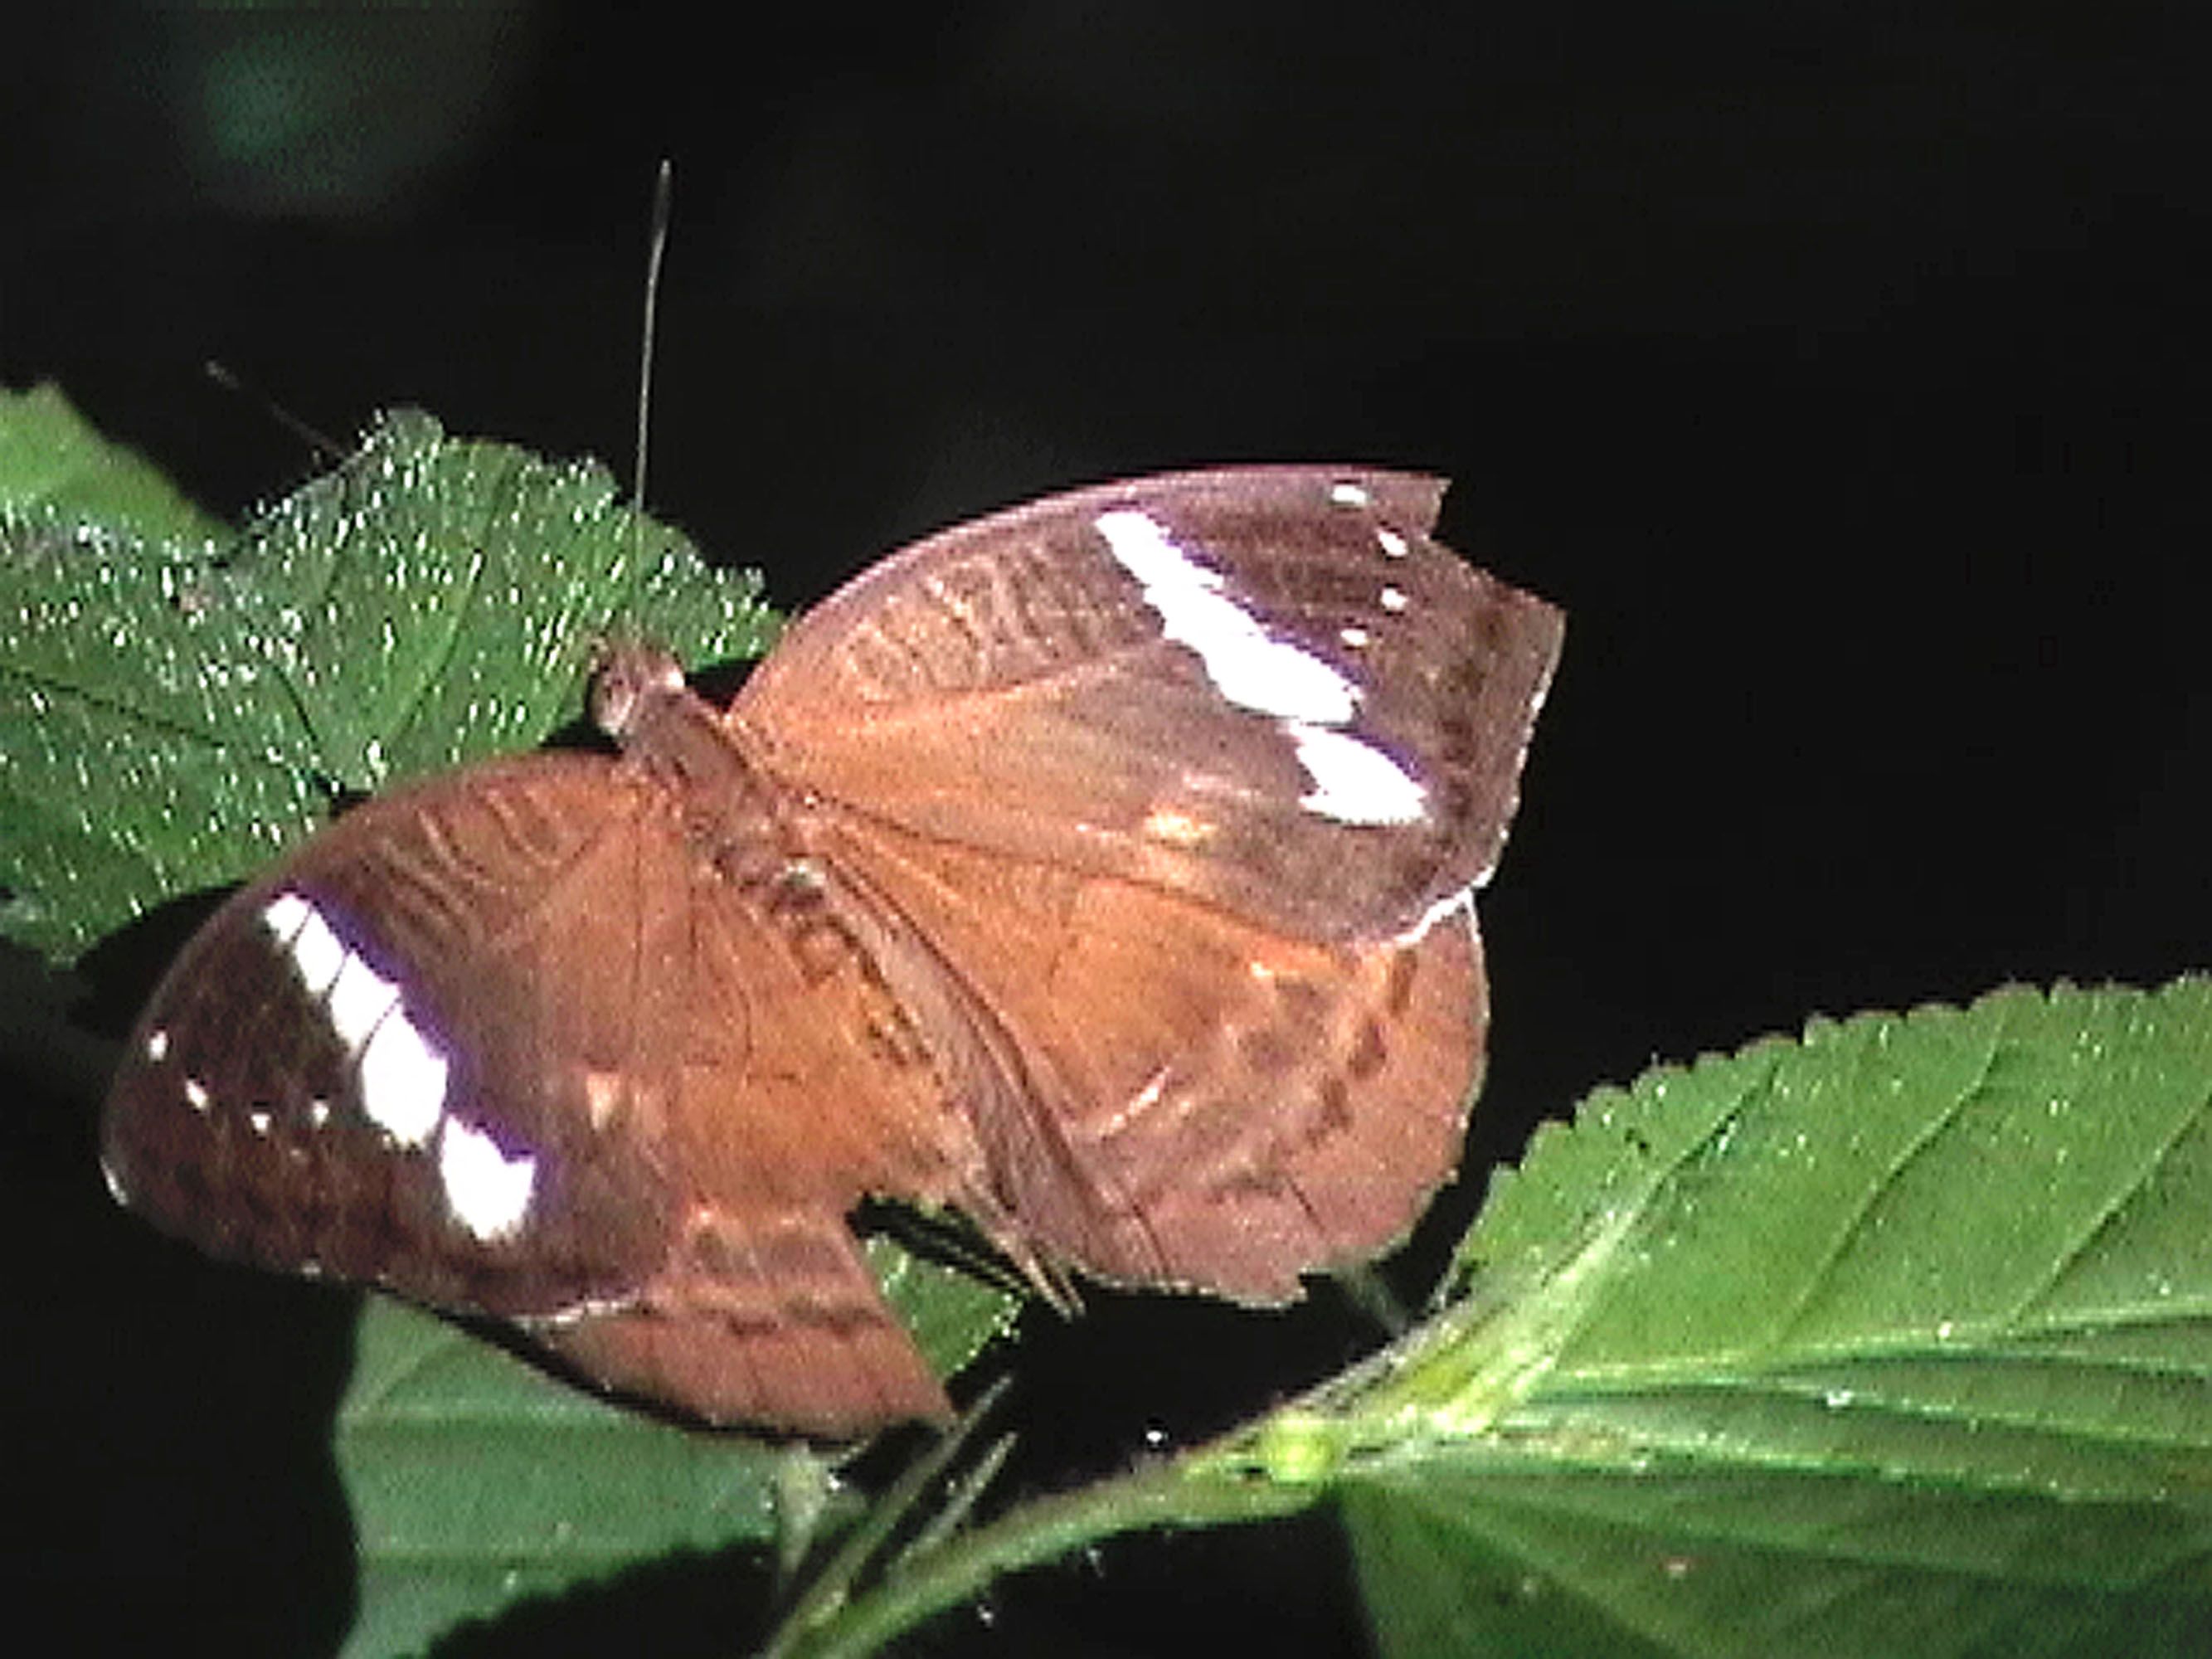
[1840, 368]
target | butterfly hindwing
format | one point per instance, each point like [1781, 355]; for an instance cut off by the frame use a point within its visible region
[1197, 1102]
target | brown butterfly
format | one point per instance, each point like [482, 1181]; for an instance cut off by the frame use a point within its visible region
[1101, 869]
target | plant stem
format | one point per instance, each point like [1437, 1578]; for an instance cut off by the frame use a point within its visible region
[1192, 1491]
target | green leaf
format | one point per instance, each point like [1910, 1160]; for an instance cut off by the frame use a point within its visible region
[1900, 1337]
[433, 601]
[476, 1481]
[179, 707]
[170, 715]
[57, 469]
[113, 681]
[1896, 1338]
[952, 1316]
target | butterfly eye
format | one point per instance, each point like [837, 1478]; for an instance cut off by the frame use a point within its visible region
[622, 677]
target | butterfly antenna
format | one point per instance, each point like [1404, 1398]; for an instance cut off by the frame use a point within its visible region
[221, 374]
[656, 249]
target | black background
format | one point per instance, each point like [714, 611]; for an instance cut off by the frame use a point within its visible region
[1839, 369]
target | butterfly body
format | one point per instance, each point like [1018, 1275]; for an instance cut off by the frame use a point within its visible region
[1101, 870]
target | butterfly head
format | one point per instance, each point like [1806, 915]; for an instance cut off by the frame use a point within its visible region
[625, 675]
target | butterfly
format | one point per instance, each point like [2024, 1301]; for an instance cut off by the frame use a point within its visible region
[1101, 870]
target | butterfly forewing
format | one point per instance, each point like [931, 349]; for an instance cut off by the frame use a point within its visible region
[1268, 687]
[347, 1069]
[507, 1042]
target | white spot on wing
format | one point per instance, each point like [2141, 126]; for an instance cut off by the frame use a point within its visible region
[1348, 493]
[1393, 600]
[1137, 1105]
[318, 954]
[403, 1073]
[282, 915]
[602, 1094]
[157, 1046]
[1247, 666]
[116, 1189]
[488, 1191]
[1354, 782]
[1394, 544]
[1452, 904]
[360, 997]
[196, 1094]
[1177, 828]
[1354, 637]
[403, 1080]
